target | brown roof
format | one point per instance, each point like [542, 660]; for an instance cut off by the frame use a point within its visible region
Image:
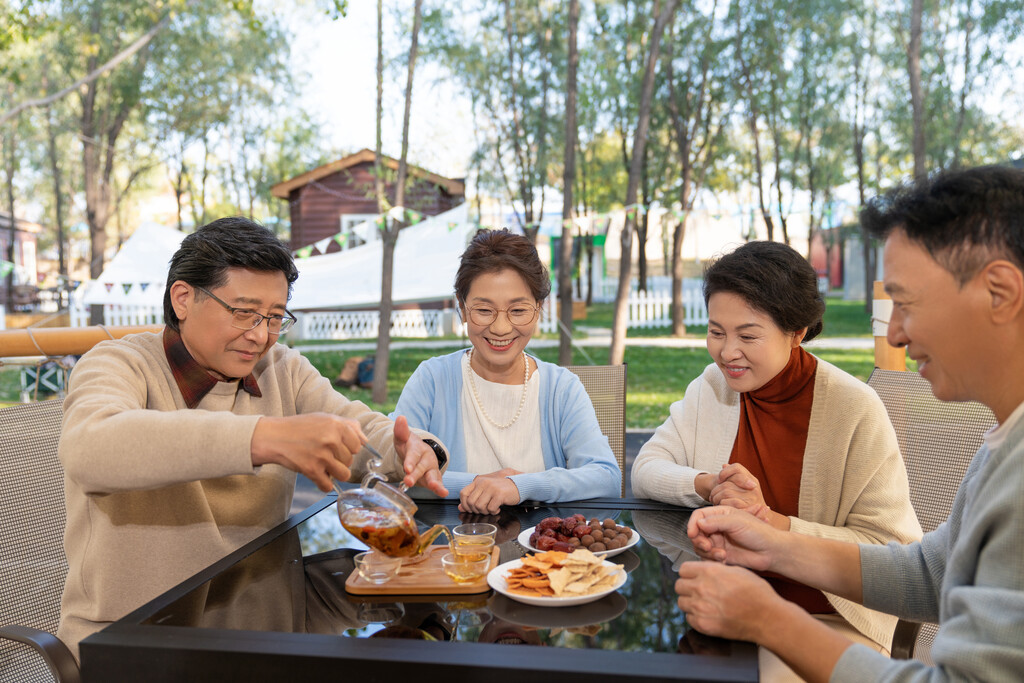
[20, 224]
[283, 189]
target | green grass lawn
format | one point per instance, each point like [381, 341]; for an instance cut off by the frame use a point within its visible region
[842, 319]
[656, 376]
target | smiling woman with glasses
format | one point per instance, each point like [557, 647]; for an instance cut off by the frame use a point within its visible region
[517, 428]
[248, 319]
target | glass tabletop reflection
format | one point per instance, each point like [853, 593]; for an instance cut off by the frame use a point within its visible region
[296, 584]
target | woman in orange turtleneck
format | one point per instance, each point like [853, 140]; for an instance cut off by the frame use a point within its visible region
[773, 430]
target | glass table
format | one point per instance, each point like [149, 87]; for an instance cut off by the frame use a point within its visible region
[277, 609]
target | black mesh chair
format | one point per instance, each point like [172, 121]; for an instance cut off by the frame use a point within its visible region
[32, 562]
[937, 440]
[606, 386]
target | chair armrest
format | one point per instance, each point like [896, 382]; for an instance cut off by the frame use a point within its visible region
[904, 638]
[55, 653]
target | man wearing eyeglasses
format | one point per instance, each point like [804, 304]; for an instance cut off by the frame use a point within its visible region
[180, 447]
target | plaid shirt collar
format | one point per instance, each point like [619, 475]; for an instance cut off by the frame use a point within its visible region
[193, 381]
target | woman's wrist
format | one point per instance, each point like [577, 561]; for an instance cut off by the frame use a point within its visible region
[702, 485]
[777, 520]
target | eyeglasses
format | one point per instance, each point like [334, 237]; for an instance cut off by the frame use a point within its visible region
[248, 319]
[519, 314]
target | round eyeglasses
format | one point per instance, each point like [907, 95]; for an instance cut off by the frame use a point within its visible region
[519, 314]
[248, 319]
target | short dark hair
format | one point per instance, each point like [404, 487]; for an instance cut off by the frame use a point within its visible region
[204, 257]
[492, 250]
[963, 218]
[772, 278]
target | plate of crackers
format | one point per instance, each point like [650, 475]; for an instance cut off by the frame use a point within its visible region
[557, 579]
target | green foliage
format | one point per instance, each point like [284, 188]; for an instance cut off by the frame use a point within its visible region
[846, 319]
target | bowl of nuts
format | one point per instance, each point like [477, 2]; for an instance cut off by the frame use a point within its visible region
[603, 537]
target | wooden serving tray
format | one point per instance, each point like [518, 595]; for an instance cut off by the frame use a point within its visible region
[423, 578]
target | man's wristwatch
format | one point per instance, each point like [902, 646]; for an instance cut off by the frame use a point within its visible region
[442, 457]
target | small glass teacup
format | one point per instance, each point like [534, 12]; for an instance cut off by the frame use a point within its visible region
[377, 567]
[466, 568]
[472, 539]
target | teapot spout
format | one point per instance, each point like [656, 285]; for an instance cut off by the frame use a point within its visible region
[430, 535]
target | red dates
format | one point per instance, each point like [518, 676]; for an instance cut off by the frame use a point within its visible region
[568, 533]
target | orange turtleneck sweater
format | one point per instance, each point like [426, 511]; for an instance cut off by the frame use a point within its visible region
[770, 443]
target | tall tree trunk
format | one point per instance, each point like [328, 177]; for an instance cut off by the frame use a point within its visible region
[568, 180]
[617, 352]
[916, 89]
[378, 168]
[390, 233]
[58, 206]
[9, 161]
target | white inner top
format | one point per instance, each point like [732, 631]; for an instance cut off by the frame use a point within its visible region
[489, 449]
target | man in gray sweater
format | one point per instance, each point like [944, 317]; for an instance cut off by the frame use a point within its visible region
[954, 267]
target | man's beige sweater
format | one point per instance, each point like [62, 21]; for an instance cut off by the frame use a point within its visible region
[853, 486]
[155, 491]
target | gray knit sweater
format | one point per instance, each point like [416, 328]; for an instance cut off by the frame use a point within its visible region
[968, 575]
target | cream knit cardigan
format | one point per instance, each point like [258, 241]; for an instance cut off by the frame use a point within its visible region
[853, 486]
[155, 491]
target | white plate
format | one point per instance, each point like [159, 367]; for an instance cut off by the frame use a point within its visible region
[496, 580]
[634, 538]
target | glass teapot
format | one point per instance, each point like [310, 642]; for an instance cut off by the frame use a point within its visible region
[380, 514]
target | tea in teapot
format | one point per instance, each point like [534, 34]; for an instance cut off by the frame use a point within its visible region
[381, 516]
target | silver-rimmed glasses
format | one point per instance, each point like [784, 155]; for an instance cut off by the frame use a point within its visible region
[248, 319]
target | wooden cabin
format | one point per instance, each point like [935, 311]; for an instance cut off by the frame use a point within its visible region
[339, 196]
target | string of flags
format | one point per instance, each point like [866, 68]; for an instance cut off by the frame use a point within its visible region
[597, 223]
[127, 287]
[410, 216]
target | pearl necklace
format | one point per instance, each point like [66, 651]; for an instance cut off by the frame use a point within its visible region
[479, 403]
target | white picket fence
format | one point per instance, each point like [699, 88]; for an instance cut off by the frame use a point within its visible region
[338, 325]
[646, 310]
[654, 309]
[117, 314]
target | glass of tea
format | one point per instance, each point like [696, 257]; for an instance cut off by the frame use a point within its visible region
[472, 539]
[465, 568]
[377, 568]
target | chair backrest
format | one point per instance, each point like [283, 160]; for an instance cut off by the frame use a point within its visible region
[938, 439]
[32, 516]
[606, 386]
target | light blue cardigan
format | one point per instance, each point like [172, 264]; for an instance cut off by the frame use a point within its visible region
[578, 461]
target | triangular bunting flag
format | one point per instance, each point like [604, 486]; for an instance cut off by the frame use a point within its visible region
[126, 286]
[321, 246]
[413, 216]
[342, 239]
[304, 252]
[5, 268]
[109, 286]
[144, 285]
[452, 226]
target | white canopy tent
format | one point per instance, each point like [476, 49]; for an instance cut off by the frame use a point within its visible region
[426, 260]
[137, 273]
